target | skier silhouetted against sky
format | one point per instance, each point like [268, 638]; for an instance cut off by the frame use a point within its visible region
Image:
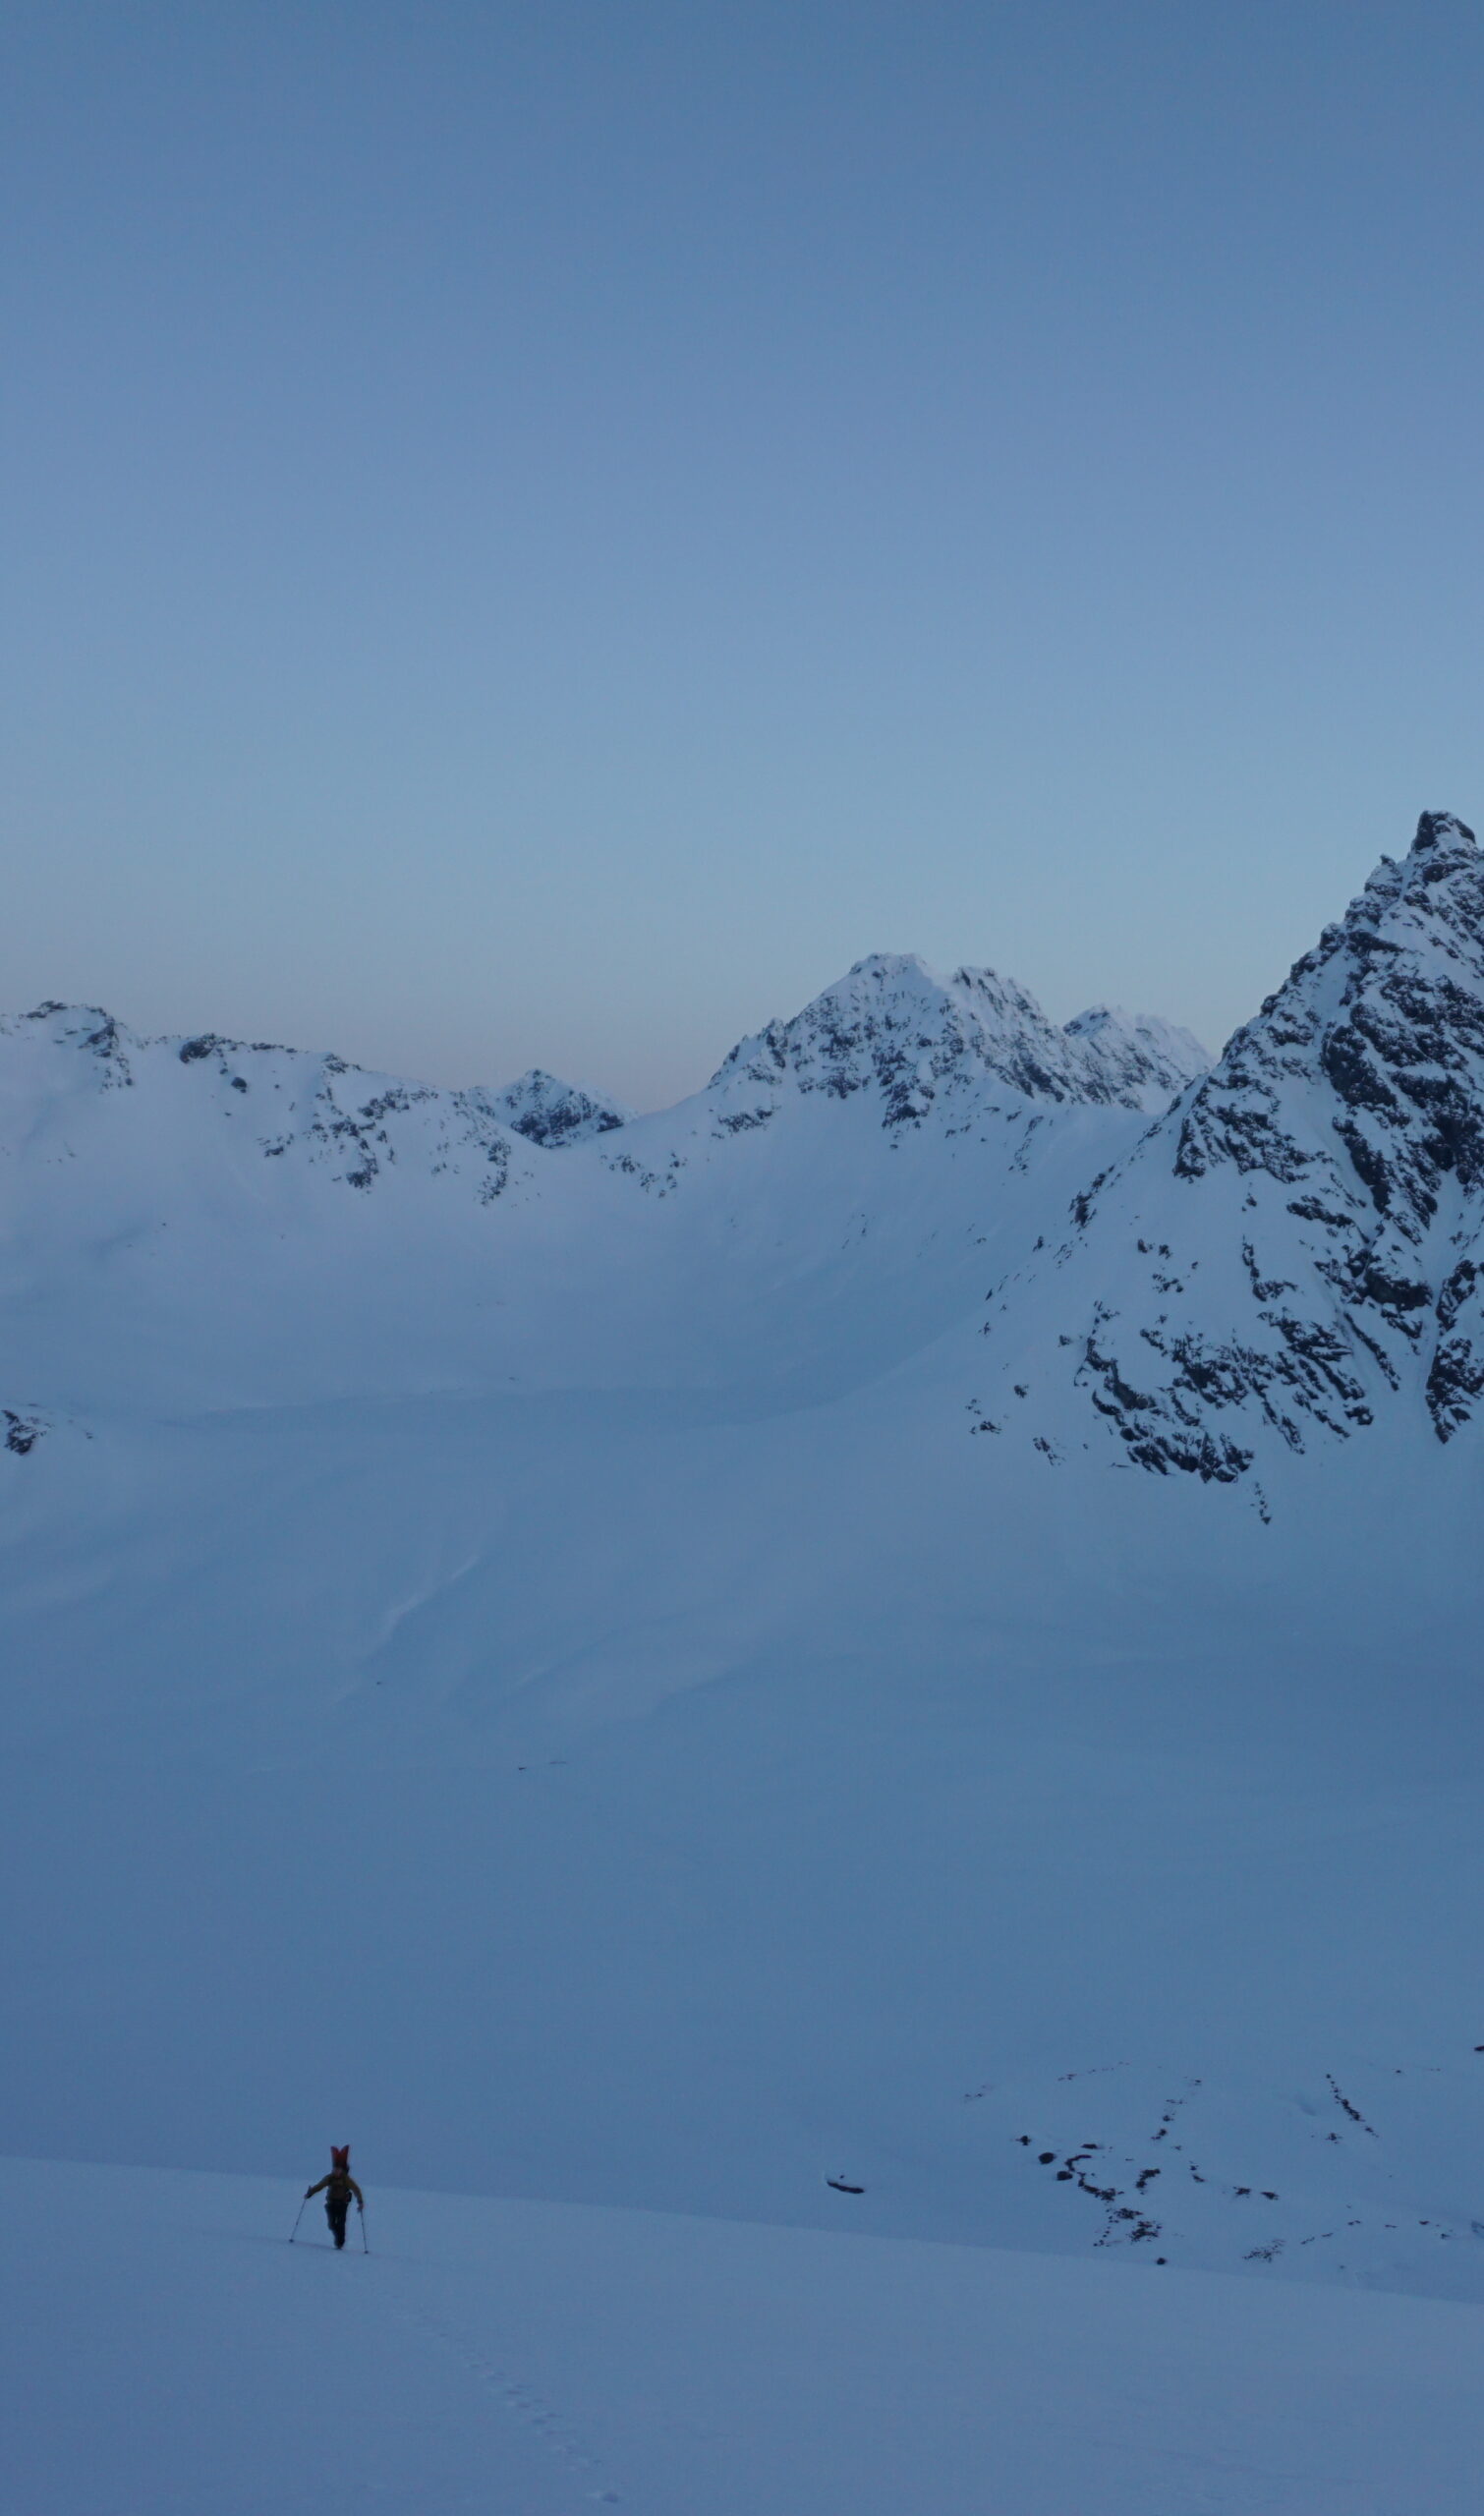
[337, 2187]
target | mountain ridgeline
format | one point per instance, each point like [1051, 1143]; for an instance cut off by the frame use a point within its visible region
[929, 1046]
[1196, 1269]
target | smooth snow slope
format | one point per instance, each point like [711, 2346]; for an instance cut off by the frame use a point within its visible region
[177, 2355]
[600, 1804]
[608, 1691]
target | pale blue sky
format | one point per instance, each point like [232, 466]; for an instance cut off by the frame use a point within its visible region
[538, 534]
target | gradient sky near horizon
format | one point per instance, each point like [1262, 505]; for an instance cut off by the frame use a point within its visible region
[539, 534]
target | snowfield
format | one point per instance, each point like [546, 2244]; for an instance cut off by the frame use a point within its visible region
[910, 1624]
[179, 2358]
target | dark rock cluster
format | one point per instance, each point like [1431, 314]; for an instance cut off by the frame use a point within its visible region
[1338, 1150]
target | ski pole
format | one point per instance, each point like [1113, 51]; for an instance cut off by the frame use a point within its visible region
[365, 2246]
[294, 2231]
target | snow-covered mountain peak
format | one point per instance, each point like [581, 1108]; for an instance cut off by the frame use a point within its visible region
[1145, 1061]
[86, 1027]
[550, 1113]
[1327, 1181]
[921, 1040]
[181, 1107]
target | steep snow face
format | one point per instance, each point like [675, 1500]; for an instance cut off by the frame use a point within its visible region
[1300, 1241]
[927, 1043]
[550, 1113]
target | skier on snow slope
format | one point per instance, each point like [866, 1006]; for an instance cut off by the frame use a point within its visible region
[337, 2187]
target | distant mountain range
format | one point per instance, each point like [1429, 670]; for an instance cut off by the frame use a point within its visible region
[146, 1176]
[928, 1046]
[1290, 1248]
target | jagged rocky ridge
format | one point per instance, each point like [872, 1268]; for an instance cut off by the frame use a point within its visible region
[1294, 1246]
[550, 1113]
[928, 1044]
[1300, 1240]
[921, 1043]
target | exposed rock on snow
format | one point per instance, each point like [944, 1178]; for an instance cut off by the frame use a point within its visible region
[924, 1042]
[88, 1028]
[550, 1113]
[1299, 1242]
[319, 1110]
[1294, 1245]
[1144, 1061]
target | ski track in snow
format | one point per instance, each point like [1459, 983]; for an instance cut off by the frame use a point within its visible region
[177, 2355]
[516, 2397]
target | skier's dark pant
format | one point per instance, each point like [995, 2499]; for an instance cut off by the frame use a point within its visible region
[335, 2210]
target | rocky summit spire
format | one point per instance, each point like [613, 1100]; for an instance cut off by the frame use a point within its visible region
[1301, 1244]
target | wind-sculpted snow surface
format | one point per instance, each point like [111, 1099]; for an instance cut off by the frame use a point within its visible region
[1296, 1249]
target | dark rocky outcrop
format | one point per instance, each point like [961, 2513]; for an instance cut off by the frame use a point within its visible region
[1301, 1241]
